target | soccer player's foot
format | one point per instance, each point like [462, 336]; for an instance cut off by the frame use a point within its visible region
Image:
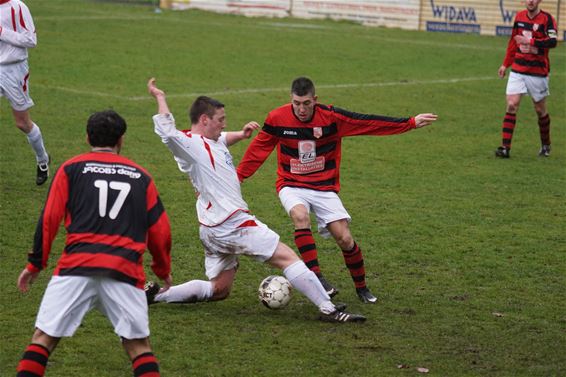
[338, 316]
[340, 306]
[544, 150]
[151, 289]
[329, 288]
[366, 296]
[42, 172]
[502, 152]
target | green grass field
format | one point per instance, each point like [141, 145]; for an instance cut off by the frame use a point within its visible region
[466, 252]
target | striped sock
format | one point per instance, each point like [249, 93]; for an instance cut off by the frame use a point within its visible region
[507, 129]
[355, 263]
[33, 361]
[544, 128]
[145, 365]
[307, 247]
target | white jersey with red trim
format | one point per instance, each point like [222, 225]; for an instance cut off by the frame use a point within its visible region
[17, 33]
[208, 164]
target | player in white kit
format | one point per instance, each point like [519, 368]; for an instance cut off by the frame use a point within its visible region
[17, 34]
[227, 228]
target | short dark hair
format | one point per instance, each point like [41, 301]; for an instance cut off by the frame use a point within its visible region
[204, 105]
[302, 86]
[104, 128]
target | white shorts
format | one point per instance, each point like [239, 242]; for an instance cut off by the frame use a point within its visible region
[326, 205]
[14, 85]
[241, 234]
[535, 86]
[68, 298]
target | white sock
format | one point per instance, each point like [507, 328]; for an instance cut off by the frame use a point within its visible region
[191, 291]
[306, 282]
[36, 141]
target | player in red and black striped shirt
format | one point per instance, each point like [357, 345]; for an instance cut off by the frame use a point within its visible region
[112, 213]
[534, 33]
[308, 137]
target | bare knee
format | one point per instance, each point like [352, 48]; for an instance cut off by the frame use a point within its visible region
[345, 241]
[23, 121]
[513, 102]
[301, 217]
[136, 347]
[540, 109]
[222, 285]
[512, 107]
[220, 293]
[48, 341]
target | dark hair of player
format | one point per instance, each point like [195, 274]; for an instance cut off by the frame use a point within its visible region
[104, 128]
[302, 86]
[204, 105]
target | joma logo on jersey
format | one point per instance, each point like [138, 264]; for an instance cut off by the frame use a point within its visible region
[288, 132]
[307, 151]
[450, 13]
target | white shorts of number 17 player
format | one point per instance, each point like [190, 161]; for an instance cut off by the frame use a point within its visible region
[67, 299]
[326, 205]
[534, 86]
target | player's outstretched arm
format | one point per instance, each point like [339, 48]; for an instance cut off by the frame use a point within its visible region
[246, 132]
[159, 96]
[25, 279]
[425, 119]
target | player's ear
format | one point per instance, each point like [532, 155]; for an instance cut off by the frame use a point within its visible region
[203, 119]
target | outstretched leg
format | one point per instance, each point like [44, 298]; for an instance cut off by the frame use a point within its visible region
[199, 290]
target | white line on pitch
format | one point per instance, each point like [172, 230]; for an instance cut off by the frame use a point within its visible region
[269, 90]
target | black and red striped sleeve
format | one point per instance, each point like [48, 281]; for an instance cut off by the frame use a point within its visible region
[548, 40]
[159, 233]
[353, 124]
[49, 221]
[511, 48]
[258, 151]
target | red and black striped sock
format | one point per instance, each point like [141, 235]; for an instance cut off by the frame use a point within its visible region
[145, 365]
[507, 129]
[355, 263]
[33, 361]
[307, 247]
[544, 128]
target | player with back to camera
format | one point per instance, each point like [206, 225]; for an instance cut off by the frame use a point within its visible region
[308, 137]
[17, 34]
[112, 213]
[227, 228]
[534, 33]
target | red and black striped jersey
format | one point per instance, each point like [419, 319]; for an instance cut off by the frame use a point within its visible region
[533, 59]
[112, 213]
[309, 153]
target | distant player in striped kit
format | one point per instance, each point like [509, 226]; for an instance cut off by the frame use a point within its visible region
[17, 34]
[112, 213]
[227, 228]
[308, 137]
[534, 33]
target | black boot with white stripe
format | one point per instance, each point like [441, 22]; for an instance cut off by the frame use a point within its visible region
[341, 317]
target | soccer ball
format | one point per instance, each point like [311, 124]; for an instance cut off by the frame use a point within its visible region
[275, 292]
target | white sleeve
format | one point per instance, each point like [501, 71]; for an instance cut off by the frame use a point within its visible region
[176, 141]
[222, 138]
[25, 37]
